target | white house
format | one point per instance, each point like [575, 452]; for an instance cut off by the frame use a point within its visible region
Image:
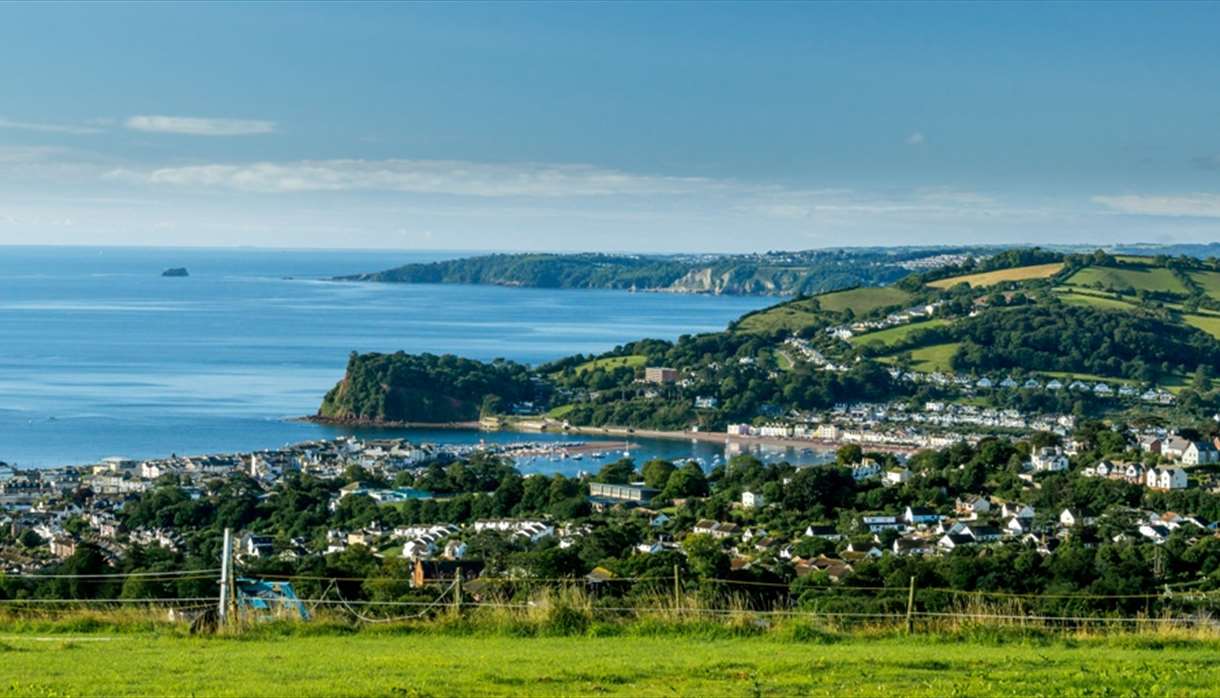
[1166, 479]
[1199, 453]
[1017, 526]
[920, 515]
[1155, 532]
[897, 476]
[1016, 510]
[418, 549]
[876, 524]
[949, 541]
[973, 506]
[751, 500]
[982, 534]
[1069, 519]
[1048, 460]
[824, 531]
[1174, 447]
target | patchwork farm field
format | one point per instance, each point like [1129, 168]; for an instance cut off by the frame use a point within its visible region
[1208, 323]
[991, 278]
[893, 335]
[612, 362]
[1093, 300]
[863, 300]
[937, 357]
[789, 316]
[1136, 279]
[801, 313]
[385, 664]
[1209, 280]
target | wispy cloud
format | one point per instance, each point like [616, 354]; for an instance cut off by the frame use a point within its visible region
[1196, 205]
[916, 138]
[925, 202]
[72, 129]
[419, 176]
[196, 126]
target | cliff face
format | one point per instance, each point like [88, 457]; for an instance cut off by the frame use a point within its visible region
[773, 274]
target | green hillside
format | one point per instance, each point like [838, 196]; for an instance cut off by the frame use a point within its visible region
[1148, 322]
[423, 388]
[1128, 279]
[901, 333]
[1209, 281]
[803, 312]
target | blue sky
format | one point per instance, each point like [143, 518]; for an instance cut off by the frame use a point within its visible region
[652, 127]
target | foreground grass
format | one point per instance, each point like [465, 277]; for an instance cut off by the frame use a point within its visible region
[439, 664]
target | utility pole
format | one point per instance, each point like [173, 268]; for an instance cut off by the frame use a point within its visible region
[911, 606]
[226, 576]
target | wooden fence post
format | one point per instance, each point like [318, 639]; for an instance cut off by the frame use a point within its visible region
[677, 590]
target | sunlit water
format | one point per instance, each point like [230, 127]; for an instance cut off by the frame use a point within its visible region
[100, 355]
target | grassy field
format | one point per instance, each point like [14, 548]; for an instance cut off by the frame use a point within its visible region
[1145, 279]
[863, 300]
[783, 361]
[1093, 301]
[991, 278]
[1208, 324]
[560, 412]
[937, 357]
[405, 664]
[612, 362]
[803, 312]
[894, 335]
[1209, 280]
[789, 316]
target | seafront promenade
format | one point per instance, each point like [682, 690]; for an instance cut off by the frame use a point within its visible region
[533, 425]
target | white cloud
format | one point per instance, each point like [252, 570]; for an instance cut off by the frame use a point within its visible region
[194, 126]
[73, 129]
[419, 176]
[1197, 205]
[925, 203]
[916, 138]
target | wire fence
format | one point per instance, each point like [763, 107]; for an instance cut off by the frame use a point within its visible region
[386, 599]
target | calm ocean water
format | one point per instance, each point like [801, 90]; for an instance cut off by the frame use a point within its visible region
[100, 355]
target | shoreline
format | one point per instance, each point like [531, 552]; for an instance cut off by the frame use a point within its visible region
[726, 438]
[378, 424]
[545, 425]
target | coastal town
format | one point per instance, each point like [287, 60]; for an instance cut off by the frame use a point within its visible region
[48, 514]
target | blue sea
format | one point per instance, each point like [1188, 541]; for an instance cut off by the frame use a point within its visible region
[101, 356]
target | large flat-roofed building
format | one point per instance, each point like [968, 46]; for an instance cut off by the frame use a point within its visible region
[623, 493]
[658, 374]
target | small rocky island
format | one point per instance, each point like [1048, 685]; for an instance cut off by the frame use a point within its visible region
[176, 272]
